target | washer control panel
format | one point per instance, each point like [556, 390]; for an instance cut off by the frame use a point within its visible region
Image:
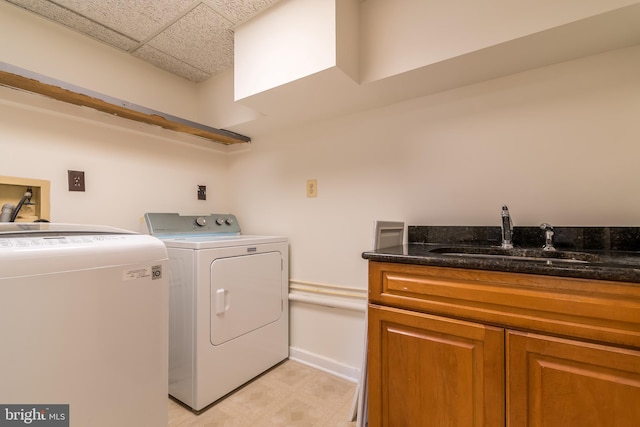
[173, 223]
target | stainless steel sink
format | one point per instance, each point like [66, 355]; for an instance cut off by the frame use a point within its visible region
[523, 254]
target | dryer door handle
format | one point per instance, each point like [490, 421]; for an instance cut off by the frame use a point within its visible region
[221, 297]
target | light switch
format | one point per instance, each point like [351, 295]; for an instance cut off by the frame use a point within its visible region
[312, 188]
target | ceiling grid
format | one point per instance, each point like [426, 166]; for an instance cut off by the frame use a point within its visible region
[190, 38]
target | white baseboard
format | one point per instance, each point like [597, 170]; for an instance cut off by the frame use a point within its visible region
[325, 364]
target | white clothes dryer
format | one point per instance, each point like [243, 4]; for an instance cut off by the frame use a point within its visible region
[228, 311]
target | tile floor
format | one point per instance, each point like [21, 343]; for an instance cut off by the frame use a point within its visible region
[291, 394]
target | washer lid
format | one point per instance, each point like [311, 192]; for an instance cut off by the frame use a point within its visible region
[28, 249]
[30, 229]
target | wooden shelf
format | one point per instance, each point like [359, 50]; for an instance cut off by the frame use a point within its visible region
[18, 78]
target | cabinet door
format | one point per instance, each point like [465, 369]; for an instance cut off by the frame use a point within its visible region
[426, 370]
[553, 382]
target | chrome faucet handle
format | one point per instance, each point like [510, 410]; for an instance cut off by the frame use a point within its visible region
[546, 226]
[507, 228]
[548, 237]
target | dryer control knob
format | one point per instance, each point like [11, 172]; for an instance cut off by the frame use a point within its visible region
[229, 221]
[201, 221]
[220, 221]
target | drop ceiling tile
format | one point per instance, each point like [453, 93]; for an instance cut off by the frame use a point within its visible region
[192, 38]
[241, 10]
[202, 38]
[170, 64]
[138, 19]
[77, 22]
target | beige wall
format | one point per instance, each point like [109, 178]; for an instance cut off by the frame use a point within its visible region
[401, 36]
[557, 144]
[38, 45]
[130, 168]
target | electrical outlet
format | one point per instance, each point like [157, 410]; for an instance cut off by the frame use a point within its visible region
[312, 188]
[202, 192]
[76, 180]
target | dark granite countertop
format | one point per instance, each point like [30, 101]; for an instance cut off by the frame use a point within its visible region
[602, 253]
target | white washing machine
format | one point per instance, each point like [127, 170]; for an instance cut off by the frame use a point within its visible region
[228, 314]
[83, 325]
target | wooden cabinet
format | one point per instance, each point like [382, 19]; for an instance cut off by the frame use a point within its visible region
[453, 347]
[434, 371]
[557, 382]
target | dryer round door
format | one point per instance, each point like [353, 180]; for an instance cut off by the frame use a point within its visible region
[246, 294]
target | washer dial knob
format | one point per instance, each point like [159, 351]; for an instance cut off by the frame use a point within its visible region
[229, 221]
[220, 221]
[201, 221]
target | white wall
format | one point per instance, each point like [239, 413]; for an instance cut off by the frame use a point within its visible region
[130, 168]
[557, 144]
[402, 36]
[38, 45]
[291, 40]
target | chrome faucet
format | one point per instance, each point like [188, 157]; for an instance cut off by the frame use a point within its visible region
[548, 237]
[507, 229]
